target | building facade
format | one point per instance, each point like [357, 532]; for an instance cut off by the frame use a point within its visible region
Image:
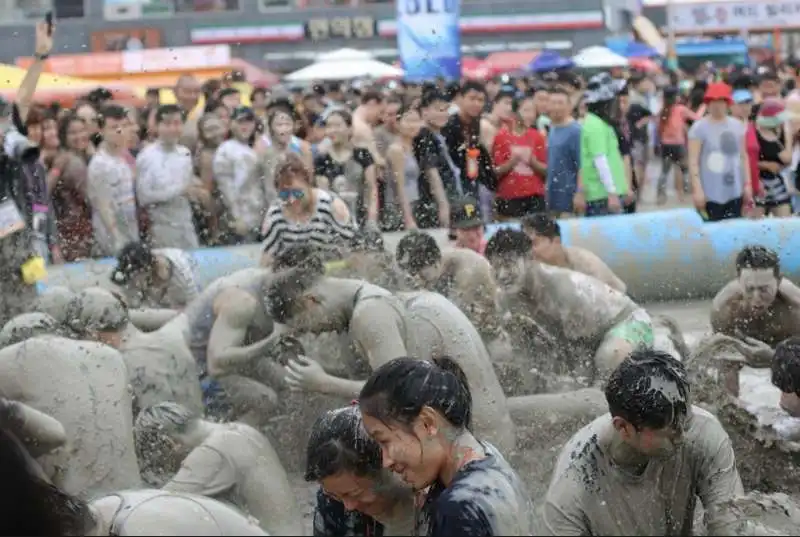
[285, 34]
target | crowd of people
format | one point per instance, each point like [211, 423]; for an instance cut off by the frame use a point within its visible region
[145, 406]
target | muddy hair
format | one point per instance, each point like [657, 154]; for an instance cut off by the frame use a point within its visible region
[757, 257]
[416, 251]
[399, 389]
[339, 443]
[31, 505]
[292, 166]
[297, 269]
[786, 366]
[154, 428]
[632, 396]
[509, 243]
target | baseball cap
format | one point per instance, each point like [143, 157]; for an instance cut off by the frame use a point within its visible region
[101, 311]
[465, 214]
[243, 113]
[718, 91]
[741, 96]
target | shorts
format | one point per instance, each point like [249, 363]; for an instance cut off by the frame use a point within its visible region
[639, 152]
[674, 153]
[519, 207]
[723, 211]
[636, 329]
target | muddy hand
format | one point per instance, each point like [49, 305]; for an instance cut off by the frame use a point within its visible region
[305, 374]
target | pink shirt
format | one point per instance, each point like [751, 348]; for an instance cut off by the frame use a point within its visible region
[674, 130]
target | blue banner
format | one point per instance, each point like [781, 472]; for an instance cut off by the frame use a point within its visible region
[429, 39]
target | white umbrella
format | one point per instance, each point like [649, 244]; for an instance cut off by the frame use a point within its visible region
[599, 58]
[345, 70]
[344, 54]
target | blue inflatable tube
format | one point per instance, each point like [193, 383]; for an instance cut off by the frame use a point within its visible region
[665, 255]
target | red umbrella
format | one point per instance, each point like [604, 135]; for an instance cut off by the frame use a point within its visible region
[509, 61]
[474, 68]
[644, 64]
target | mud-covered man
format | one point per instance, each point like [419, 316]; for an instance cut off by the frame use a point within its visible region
[760, 303]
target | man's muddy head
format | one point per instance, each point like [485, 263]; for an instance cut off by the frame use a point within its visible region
[368, 240]
[545, 233]
[101, 315]
[416, 410]
[786, 374]
[26, 326]
[135, 267]
[57, 301]
[509, 252]
[648, 398]
[759, 273]
[346, 462]
[419, 254]
[290, 296]
[165, 434]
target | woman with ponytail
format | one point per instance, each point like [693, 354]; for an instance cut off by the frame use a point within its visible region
[419, 413]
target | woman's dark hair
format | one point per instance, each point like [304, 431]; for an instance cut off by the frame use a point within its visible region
[604, 110]
[399, 389]
[291, 165]
[111, 111]
[64, 124]
[212, 105]
[786, 366]
[167, 110]
[432, 96]
[633, 395]
[31, 505]
[670, 100]
[346, 116]
[274, 113]
[299, 268]
[339, 443]
[697, 94]
[416, 251]
[405, 108]
[134, 258]
[509, 243]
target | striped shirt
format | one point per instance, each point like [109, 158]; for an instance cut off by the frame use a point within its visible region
[321, 230]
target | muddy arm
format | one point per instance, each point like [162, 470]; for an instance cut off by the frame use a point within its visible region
[151, 319]
[39, 432]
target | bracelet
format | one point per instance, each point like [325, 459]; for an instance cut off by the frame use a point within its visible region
[41, 57]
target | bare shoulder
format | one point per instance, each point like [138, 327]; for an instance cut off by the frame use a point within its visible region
[727, 297]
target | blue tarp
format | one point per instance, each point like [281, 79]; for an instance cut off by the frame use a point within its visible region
[716, 47]
[550, 61]
[631, 49]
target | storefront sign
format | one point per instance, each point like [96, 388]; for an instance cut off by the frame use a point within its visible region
[125, 39]
[735, 16]
[360, 27]
[468, 24]
[136, 61]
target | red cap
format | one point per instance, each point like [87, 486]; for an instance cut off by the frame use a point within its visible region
[718, 91]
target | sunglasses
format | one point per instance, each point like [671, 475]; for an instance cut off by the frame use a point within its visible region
[292, 193]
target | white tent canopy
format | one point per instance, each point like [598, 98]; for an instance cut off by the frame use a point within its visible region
[599, 58]
[344, 54]
[344, 64]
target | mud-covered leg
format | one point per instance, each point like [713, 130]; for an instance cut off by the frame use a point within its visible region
[249, 401]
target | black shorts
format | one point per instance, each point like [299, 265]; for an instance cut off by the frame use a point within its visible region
[674, 153]
[724, 211]
[519, 207]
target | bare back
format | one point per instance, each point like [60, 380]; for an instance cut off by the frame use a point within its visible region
[84, 386]
[587, 262]
[467, 280]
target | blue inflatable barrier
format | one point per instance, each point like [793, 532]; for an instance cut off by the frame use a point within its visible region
[665, 255]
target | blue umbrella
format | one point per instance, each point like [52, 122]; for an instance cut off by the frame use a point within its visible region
[550, 61]
[635, 49]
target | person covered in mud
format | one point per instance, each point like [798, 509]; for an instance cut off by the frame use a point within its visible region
[357, 496]
[39, 433]
[462, 275]
[638, 469]
[367, 259]
[231, 462]
[26, 326]
[229, 330]
[84, 386]
[159, 278]
[760, 303]
[578, 310]
[382, 326]
[786, 374]
[159, 364]
[545, 232]
[56, 301]
[419, 413]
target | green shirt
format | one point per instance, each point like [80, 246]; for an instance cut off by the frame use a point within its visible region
[599, 138]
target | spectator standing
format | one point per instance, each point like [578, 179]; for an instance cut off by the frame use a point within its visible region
[742, 109]
[672, 128]
[602, 168]
[718, 165]
[241, 189]
[187, 95]
[164, 183]
[775, 154]
[563, 154]
[467, 224]
[402, 192]
[520, 157]
[110, 186]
